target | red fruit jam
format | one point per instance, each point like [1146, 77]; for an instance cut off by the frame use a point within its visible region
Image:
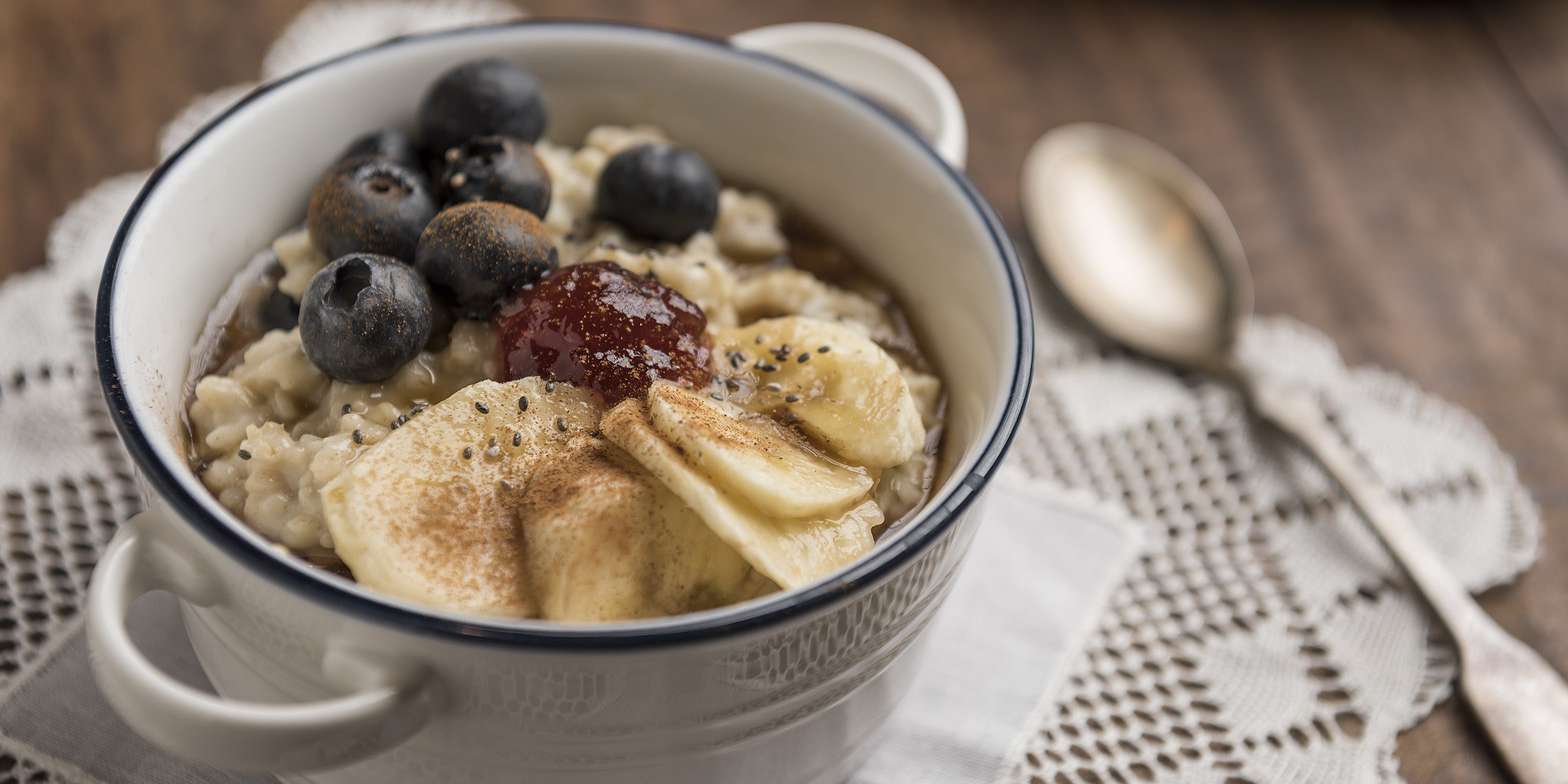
[603, 328]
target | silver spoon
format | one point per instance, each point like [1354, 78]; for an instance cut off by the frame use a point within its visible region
[1143, 249]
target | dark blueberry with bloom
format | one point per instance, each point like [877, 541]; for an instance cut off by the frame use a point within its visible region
[364, 316]
[659, 192]
[369, 205]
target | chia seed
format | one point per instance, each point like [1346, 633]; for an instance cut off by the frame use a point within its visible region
[560, 424]
[824, 349]
[522, 403]
[549, 386]
[481, 407]
[347, 408]
[359, 438]
[517, 439]
[774, 386]
[803, 358]
[468, 453]
[766, 367]
[792, 398]
[244, 454]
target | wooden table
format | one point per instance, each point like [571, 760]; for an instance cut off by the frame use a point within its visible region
[1399, 173]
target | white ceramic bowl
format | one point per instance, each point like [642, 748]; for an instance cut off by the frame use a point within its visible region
[317, 676]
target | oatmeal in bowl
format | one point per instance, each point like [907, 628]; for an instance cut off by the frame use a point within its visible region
[499, 374]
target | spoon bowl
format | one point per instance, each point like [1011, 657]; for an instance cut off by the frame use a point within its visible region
[1138, 243]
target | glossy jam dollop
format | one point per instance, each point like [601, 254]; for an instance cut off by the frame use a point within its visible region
[601, 327]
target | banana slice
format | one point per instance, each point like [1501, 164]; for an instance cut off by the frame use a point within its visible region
[791, 552]
[765, 292]
[851, 398]
[754, 457]
[423, 514]
[606, 541]
[926, 390]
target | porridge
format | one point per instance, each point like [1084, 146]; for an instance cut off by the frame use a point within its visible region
[581, 383]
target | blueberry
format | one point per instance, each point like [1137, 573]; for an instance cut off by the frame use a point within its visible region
[278, 311]
[481, 98]
[369, 205]
[363, 316]
[659, 192]
[478, 254]
[389, 143]
[497, 168]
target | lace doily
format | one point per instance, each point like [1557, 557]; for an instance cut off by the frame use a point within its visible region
[1263, 636]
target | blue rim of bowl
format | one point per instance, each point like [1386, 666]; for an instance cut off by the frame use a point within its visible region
[924, 530]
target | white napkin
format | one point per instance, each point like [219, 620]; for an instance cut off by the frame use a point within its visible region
[1038, 574]
[1040, 569]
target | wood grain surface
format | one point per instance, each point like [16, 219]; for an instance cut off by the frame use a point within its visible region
[1398, 173]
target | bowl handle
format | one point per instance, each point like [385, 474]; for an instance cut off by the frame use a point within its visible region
[384, 704]
[878, 67]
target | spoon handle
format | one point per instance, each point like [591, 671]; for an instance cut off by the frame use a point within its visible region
[1519, 698]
